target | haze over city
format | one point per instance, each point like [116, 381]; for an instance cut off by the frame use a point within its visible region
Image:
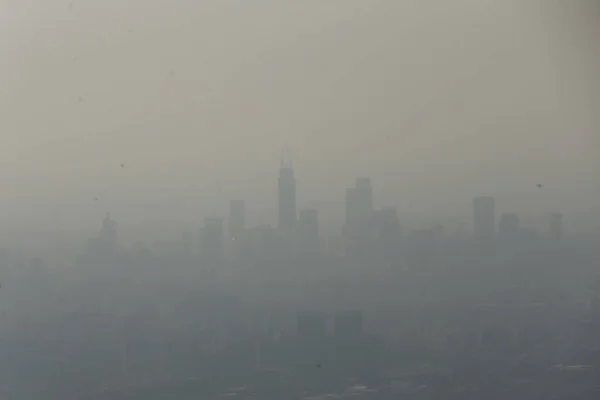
[300, 200]
[436, 102]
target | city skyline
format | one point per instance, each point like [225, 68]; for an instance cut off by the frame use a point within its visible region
[329, 216]
[431, 129]
[309, 200]
[225, 234]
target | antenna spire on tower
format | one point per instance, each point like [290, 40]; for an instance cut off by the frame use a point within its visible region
[286, 158]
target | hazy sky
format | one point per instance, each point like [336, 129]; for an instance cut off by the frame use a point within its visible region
[436, 100]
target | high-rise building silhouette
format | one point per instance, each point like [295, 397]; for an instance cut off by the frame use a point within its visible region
[287, 199]
[237, 219]
[109, 233]
[308, 231]
[359, 214]
[508, 227]
[484, 217]
[385, 222]
[105, 244]
[359, 202]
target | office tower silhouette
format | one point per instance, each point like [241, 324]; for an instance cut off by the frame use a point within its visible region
[108, 234]
[508, 227]
[359, 214]
[359, 202]
[308, 232]
[287, 199]
[105, 244]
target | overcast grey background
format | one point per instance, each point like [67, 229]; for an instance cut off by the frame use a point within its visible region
[436, 100]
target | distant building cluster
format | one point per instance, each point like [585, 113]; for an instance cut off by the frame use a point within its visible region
[376, 312]
[367, 233]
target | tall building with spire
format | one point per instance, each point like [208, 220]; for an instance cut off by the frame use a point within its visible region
[109, 233]
[286, 198]
[104, 245]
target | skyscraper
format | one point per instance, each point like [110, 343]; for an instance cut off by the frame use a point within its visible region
[484, 217]
[359, 202]
[308, 231]
[385, 222]
[108, 234]
[237, 219]
[508, 227]
[359, 212]
[105, 244]
[287, 199]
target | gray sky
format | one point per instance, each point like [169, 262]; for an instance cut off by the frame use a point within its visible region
[436, 100]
